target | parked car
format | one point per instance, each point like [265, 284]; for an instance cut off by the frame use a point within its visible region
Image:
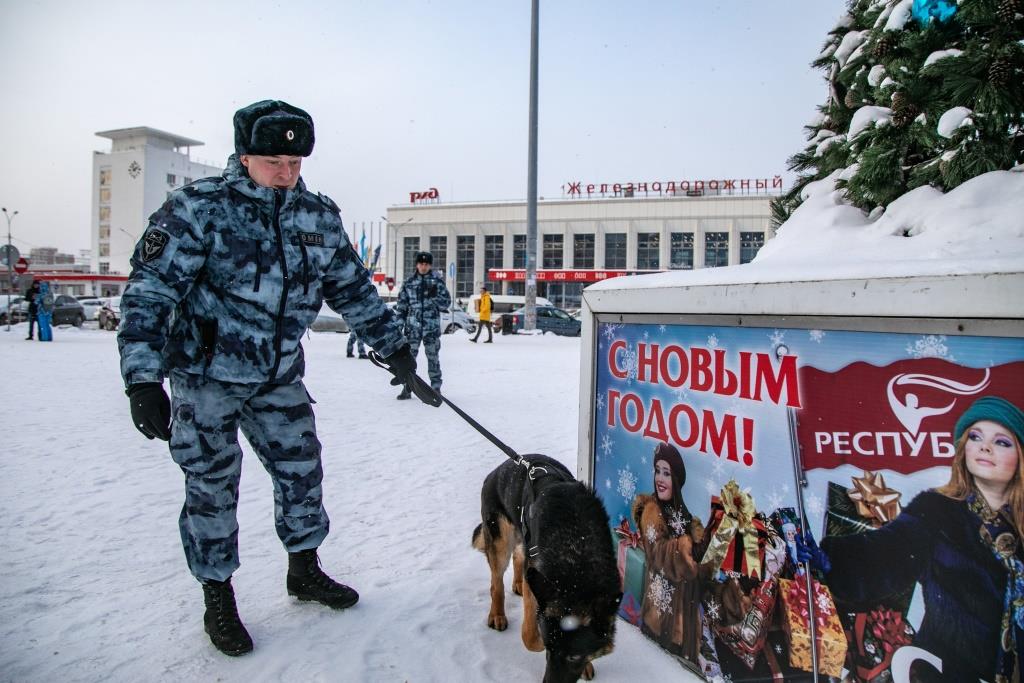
[109, 316]
[67, 310]
[19, 309]
[92, 306]
[328, 321]
[457, 319]
[549, 319]
[454, 319]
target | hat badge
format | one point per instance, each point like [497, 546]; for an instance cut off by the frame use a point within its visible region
[290, 135]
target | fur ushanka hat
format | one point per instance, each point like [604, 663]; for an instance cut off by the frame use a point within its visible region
[273, 127]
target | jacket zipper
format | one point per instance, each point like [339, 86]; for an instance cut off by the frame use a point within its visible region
[259, 266]
[279, 323]
[305, 267]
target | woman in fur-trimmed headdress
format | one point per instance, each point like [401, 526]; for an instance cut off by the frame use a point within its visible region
[668, 535]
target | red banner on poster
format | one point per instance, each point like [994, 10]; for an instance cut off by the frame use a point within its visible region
[898, 417]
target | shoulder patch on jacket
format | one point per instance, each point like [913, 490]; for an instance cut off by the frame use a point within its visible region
[328, 202]
[153, 244]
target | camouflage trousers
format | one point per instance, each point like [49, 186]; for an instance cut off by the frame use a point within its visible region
[277, 420]
[432, 347]
[353, 340]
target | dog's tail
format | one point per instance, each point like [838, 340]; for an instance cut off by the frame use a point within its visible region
[478, 537]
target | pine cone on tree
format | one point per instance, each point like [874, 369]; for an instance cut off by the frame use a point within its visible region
[903, 110]
[885, 45]
[999, 72]
[851, 101]
[1007, 10]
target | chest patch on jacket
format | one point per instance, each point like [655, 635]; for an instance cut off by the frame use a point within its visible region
[153, 244]
[314, 239]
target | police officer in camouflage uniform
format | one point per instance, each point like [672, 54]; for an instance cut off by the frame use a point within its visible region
[420, 303]
[227, 277]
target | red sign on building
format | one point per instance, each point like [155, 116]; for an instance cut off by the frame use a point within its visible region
[519, 275]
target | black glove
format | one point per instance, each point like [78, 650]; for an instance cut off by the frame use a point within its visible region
[402, 365]
[151, 409]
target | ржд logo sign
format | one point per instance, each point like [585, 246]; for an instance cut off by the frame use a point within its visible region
[429, 194]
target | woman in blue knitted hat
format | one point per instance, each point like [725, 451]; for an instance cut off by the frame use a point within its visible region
[962, 543]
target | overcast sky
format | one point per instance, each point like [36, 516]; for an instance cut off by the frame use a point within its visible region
[408, 95]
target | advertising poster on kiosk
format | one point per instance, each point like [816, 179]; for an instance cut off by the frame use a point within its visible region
[696, 430]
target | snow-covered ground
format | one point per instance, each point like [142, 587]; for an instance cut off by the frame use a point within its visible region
[94, 585]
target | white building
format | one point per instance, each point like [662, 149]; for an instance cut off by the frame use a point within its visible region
[579, 241]
[129, 183]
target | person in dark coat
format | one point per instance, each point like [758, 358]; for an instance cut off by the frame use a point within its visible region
[31, 297]
[961, 542]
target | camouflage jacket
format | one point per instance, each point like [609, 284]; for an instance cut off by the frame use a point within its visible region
[229, 275]
[420, 303]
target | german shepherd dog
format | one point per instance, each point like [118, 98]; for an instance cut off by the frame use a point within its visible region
[558, 533]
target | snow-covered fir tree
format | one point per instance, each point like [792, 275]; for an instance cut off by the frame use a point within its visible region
[920, 92]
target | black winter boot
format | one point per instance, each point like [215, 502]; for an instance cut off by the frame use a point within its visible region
[306, 581]
[221, 619]
[406, 394]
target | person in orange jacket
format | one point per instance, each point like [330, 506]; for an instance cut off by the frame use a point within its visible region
[485, 316]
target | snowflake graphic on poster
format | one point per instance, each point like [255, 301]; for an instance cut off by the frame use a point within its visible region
[600, 401]
[710, 487]
[679, 523]
[660, 593]
[711, 609]
[627, 484]
[930, 346]
[680, 395]
[816, 335]
[814, 504]
[712, 342]
[823, 604]
[647, 335]
[608, 484]
[662, 328]
[774, 500]
[632, 361]
[610, 330]
[718, 469]
[785, 489]
[777, 337]
[606, 444]
[650, 533]
[778, 647]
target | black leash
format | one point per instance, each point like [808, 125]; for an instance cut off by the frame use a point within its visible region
[431, 396]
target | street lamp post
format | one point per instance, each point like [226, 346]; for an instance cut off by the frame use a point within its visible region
[394, 244]
[10, 272]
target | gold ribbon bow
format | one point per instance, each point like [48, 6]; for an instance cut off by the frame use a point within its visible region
[874, 500]
[737, 518]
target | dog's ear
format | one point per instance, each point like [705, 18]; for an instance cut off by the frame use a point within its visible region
[541, 588]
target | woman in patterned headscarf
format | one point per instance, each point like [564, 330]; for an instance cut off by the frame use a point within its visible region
[962, 543]
[668, 535]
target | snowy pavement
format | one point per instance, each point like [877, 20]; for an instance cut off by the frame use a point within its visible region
[94, 584]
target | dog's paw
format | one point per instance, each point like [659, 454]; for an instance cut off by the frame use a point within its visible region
[517, 587]
[588, 672]
[499, 622]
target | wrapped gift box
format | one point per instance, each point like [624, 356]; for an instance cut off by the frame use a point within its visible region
[631, 564]
[843, 518]
[874, 638]
[831, 639]
[746, 639]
